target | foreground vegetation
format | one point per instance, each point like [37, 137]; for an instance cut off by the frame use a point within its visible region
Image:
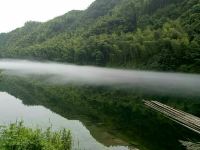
[18, 137]
[144, 34]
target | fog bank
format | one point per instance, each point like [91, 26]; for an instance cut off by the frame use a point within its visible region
[162, 82]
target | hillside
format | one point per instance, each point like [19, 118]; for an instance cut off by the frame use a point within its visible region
[143, 34]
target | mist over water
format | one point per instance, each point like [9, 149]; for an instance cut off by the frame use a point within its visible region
[57, 73]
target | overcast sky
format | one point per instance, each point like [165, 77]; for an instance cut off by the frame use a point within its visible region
[14, 13]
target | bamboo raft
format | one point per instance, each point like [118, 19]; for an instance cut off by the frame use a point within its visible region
[189, 121]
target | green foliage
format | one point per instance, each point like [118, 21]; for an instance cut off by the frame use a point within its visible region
[18, 137]
[144, 34]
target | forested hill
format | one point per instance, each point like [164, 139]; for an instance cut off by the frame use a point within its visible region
[144, 34]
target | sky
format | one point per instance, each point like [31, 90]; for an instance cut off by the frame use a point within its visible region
[14, 13]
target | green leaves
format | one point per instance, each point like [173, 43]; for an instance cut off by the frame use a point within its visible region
[18, 137]
[126, 33]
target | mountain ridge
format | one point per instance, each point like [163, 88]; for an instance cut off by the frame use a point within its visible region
[143, 34]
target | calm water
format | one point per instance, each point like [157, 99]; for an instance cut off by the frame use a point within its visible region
[12, 109]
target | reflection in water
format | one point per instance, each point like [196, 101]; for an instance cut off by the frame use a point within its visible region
[12, 109]
[154, 82]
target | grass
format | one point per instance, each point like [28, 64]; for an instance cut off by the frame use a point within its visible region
[18, 137]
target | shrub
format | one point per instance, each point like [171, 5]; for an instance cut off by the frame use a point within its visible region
[18, 137]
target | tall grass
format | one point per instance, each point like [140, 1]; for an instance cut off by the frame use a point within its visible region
[18, 137]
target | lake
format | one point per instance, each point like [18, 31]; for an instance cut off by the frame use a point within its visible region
[12, 109]
[102, 107]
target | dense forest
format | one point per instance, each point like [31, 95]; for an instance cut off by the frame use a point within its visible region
[143, 34]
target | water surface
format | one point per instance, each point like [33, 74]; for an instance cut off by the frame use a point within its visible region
[12, 109]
